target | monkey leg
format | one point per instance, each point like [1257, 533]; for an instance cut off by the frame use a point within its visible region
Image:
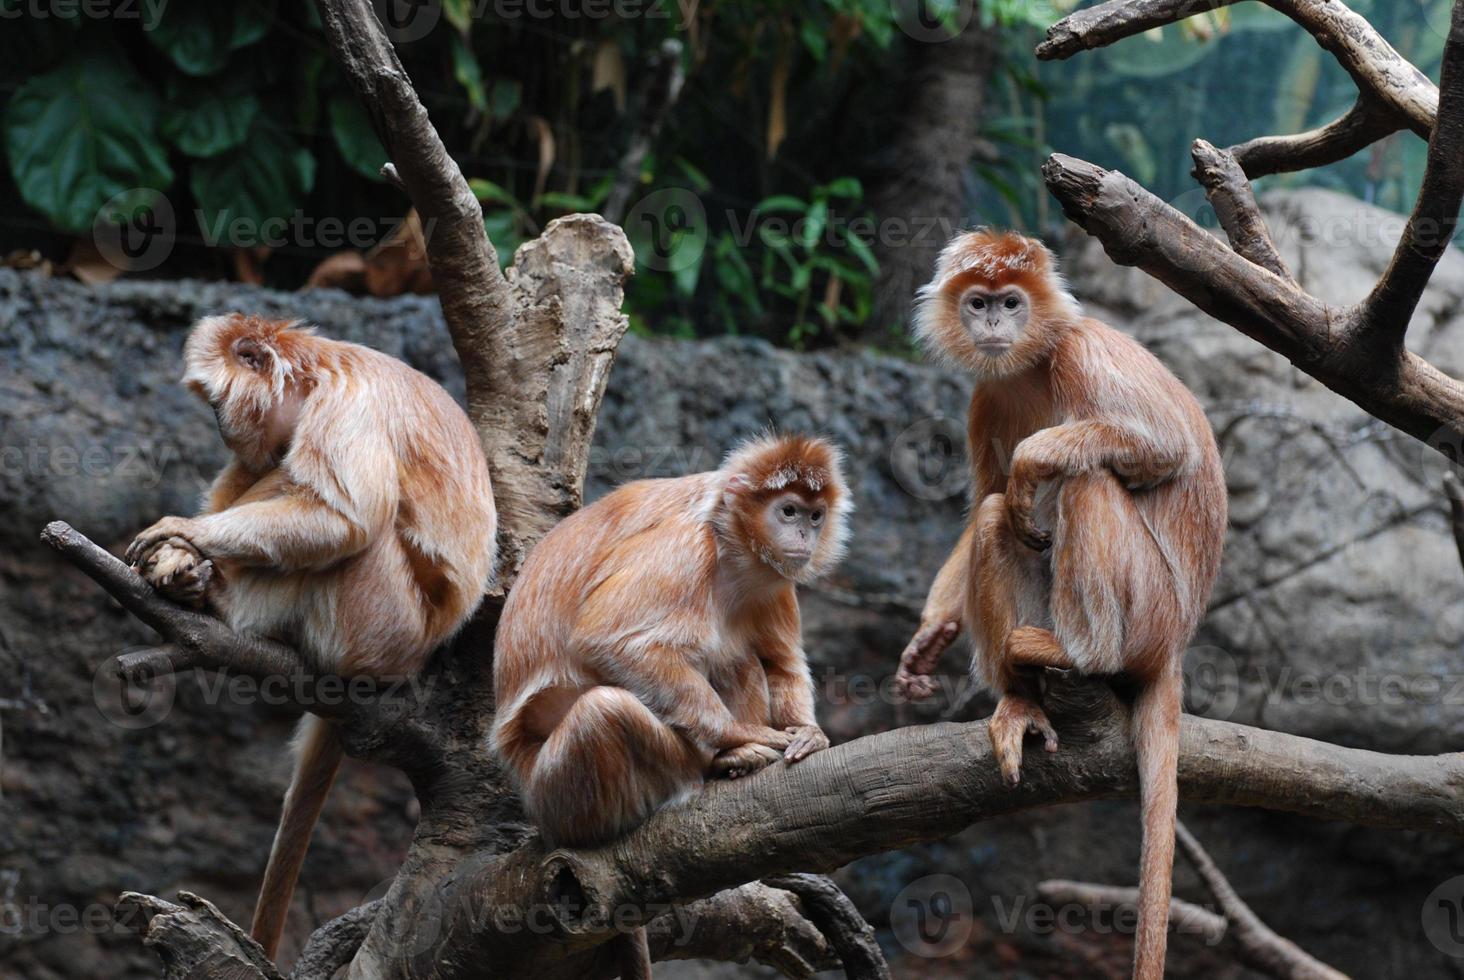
[608, 765]
[1115, 600]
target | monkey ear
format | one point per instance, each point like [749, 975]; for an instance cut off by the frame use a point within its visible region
[251, 353]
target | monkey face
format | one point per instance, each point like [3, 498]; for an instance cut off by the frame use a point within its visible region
[791, 528]
[994, 318]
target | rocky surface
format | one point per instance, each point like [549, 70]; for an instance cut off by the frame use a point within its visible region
[1338, 615]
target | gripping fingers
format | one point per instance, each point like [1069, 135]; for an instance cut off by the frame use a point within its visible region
[1026, 530]
[807, 739]
[921, 656]
[744, 760]
[149, 540]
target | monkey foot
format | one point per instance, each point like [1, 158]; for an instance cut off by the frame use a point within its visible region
[1016, 717]
[178, 571]
[744, 760]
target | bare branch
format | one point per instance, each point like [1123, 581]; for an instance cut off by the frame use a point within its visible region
[1185, 918]
[1235, 205]
[1378, 69]
[1138, 229]
[1363, 125]
[1436, 212]
[194, 939]
[830, 909]
[1256, 943]
[1455, 492]
[753, 922]
[333, 945]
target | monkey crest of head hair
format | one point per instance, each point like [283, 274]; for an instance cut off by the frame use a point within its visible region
[212, 367]
[771, 464]
[993, 259]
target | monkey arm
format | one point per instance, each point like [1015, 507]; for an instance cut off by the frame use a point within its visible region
[790, 687]
[293, 531]
[940, 622]
[1082, 447]
[681, 696]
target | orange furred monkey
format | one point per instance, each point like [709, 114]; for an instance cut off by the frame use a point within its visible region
[653, 639]
[355, 522]
[1097, 546]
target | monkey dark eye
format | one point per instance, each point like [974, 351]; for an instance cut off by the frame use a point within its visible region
[977, 303]
[1011, 303]
[817, 517]
[789, 511]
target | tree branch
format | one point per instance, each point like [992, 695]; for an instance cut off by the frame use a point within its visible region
[1230, 194]
[848, 933]
[1431, 227]
[1363, 125]
[1185, 918]
[1455, 492]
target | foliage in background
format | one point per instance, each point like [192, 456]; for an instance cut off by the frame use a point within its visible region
[235, 113]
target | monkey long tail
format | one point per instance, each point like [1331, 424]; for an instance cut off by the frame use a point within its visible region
[318, 757]
[1156, 743]
[634, 952]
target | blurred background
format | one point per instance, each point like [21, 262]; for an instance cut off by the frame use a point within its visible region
[786, 173]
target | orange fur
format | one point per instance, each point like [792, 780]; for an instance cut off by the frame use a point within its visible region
[356, 522]
[1078, 435]
[650, 632]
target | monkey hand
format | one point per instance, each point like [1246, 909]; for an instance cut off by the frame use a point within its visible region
[742, 760]
[178, 571]
[773, 738]
[807, 739]
[1014, 719]
[185, 529]
[1019, 514]
[921, 655]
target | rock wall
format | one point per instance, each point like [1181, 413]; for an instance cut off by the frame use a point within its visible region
[1338, 615]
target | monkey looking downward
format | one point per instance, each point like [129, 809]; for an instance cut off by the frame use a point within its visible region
[1098, 547]
[355, 522]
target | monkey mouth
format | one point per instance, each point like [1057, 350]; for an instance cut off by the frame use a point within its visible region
[993, 348]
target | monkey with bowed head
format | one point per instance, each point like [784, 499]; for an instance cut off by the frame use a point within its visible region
[355, 522]
[653, 640]
[1098, 519]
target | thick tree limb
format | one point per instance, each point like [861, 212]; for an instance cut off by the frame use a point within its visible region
[334, 944]
[194, 939]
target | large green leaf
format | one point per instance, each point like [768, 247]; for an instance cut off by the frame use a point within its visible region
[199, 35]
[204, 121]
[355, 138]
[266, 177]
[78, 136]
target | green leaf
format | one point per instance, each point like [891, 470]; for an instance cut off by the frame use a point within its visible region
[812, 36]
[863, 253]
[489, 192]
[204, 121]
[80, 135]
[465, 69]
[814, 224]
[354, 137]
[504, 97]
[782, 202]
[268, 177]
[199, 36]
[845, 187]
[459, 14]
